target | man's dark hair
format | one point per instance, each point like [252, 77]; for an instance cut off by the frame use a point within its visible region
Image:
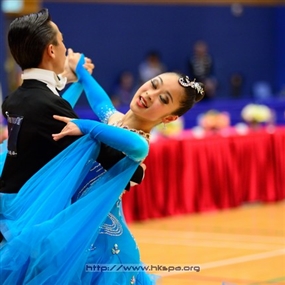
[28, 37]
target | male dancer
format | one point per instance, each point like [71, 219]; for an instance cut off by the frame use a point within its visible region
[37, 46]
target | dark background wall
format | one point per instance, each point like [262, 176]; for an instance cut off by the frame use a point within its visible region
[117, 37]
[279, 42]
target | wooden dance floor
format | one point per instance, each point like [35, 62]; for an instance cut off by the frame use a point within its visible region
[245, 245]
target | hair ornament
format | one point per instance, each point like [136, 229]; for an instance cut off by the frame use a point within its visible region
[186, 82]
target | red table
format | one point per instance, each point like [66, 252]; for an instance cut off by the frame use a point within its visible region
[194, 175]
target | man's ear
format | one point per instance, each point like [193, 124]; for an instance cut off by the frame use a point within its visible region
[169, 119]
[50, 50]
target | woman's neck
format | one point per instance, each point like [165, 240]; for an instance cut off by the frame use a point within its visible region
[132, 121]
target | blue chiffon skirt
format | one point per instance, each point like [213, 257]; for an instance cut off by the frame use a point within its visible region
[49, 240]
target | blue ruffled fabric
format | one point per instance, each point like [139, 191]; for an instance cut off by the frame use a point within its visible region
[49, 191]
[52, 246]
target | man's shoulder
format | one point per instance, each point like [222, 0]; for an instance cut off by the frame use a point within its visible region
[31, 87]
[32, 94]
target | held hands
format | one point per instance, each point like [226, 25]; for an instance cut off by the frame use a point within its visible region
[70, 65]
[70, 129]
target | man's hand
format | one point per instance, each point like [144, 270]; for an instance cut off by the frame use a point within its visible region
[70, 65]
[70, 129]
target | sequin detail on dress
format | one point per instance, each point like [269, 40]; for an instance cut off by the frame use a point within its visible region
[115, 249]
[91, 248]
[105, 113]
[113, 229]
[96, 171]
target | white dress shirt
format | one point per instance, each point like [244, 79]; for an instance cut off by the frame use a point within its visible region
[54, 82]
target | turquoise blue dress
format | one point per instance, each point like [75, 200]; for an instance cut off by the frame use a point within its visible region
[52, 239]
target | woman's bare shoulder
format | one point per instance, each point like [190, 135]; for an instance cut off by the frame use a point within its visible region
[115, 118]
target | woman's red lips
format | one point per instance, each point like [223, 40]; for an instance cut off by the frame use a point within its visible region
[142, 102]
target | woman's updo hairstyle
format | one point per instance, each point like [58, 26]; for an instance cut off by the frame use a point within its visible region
[194, 92]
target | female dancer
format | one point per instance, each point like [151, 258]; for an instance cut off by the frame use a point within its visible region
[51, 241]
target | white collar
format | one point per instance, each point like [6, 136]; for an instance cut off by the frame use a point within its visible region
[52, 81]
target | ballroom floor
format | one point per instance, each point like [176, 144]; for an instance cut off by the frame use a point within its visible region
[241, 246]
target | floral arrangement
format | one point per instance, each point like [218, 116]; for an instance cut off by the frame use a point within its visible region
[256, 113]
[214, 120]
[211, 123]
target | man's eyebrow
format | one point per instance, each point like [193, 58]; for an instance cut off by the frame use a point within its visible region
[167, 92]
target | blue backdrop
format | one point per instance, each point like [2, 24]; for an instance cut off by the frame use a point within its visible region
[280, 48]
[118, 36]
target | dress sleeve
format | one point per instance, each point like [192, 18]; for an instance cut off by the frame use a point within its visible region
[73, 93]
[131, 144]
[98, 99]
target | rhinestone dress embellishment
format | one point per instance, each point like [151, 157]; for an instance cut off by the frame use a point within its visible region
[115, 249]
[113, 229]
[133, 280]
[140, 132]
[92, 247]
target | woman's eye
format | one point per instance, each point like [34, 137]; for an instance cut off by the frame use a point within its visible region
[163, 100]
[153, 84]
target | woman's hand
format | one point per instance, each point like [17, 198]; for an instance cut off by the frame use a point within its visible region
[70, 129]
[71, 63]
[73, 59]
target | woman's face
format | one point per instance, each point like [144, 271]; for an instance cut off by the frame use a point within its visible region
[158, 98]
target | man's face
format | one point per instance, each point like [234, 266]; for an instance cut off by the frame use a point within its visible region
[59, 51]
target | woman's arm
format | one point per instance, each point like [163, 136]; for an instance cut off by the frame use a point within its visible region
[131, 144]
[98, 99]
[73, 93]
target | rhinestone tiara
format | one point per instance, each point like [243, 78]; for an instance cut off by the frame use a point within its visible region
[186, 82]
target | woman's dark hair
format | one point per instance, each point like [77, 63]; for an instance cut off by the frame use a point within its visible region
[28, 37]
[193, 93]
